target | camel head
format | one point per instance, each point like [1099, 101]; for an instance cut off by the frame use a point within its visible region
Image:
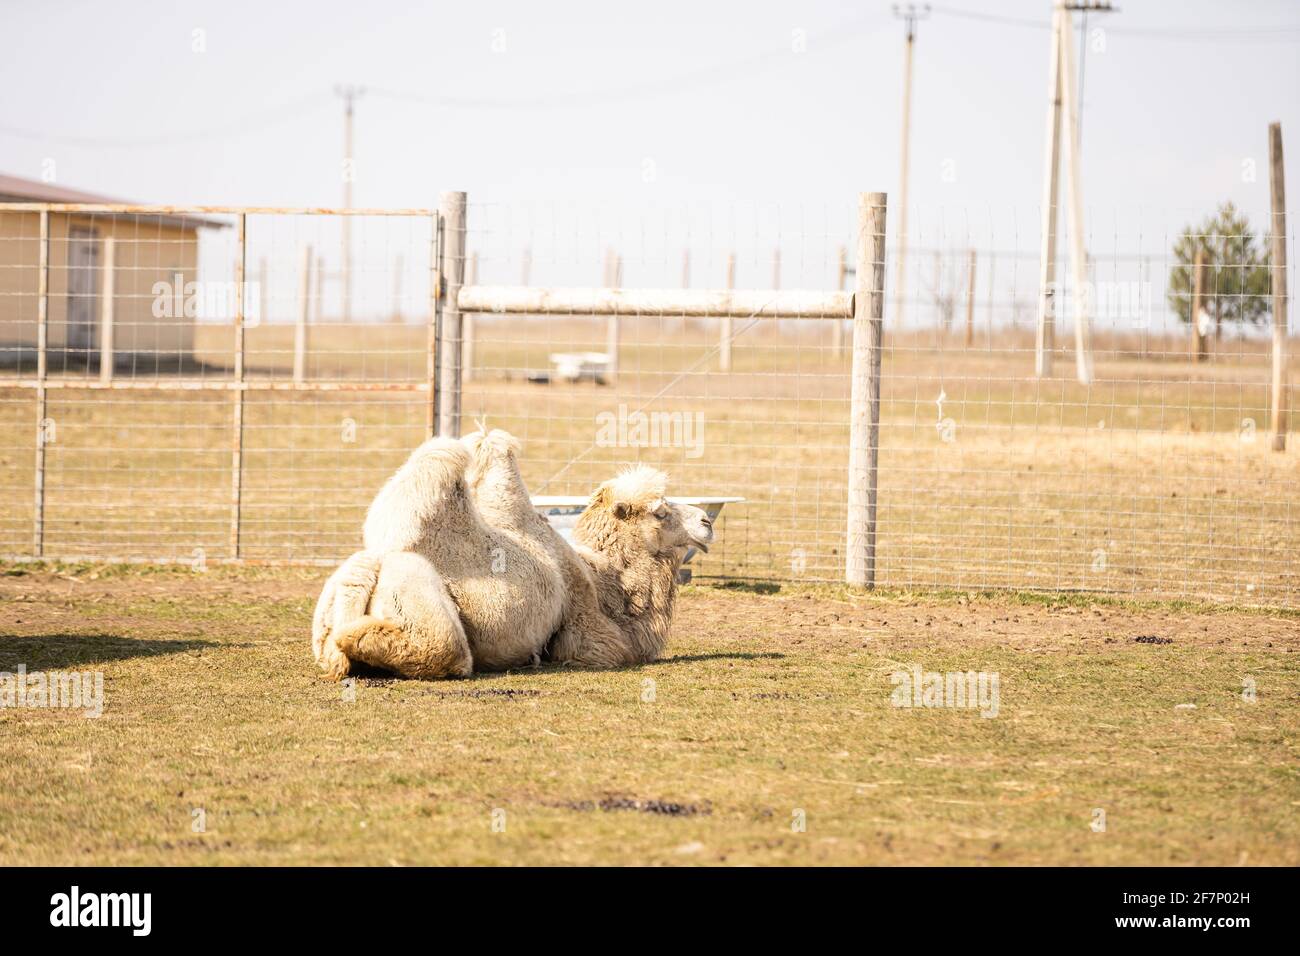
[629, 513]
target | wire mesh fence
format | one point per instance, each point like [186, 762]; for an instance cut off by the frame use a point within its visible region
[254, 420]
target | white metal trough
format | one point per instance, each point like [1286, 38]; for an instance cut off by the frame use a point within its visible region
[562, 512]
[580, 366]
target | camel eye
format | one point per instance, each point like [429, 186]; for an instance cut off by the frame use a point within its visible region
[661, 512]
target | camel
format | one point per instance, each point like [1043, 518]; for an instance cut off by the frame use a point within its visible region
[460, 573]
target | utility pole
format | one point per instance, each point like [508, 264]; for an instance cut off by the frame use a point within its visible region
[1063, 98]
[1045, 337]
[349, 94]
[909, 14]
[1277, 273]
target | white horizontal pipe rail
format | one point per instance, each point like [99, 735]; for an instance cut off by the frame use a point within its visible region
[167, 383]
[691, 303]
[144, 209]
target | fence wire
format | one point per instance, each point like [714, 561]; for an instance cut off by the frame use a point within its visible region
[1156, 479]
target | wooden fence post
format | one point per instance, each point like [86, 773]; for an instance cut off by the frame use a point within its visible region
[399, 269]
[613, 280]
[237, 438]
[300, 327]
[432, 328]
[864, 414]
[724, 338]
[42, 370]
[988, 315]
[318, 291]
[837, 325]
[106, 313]
[263, 292]
[1277, 244]
[1198, 336]
[970, 301]
[452, 206]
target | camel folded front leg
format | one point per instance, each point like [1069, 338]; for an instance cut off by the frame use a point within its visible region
[587, 637]
[343, 601]
[413, 627]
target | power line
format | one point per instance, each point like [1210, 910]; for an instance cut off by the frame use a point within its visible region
[1285, 33]
[256, 121]
[909, 14]
[686, 81]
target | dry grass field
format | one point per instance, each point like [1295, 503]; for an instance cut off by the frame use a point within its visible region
[772, 706]
[1174, 717]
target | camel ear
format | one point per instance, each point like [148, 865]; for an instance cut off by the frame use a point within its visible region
[622, 509]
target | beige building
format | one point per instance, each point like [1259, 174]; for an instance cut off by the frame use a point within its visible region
[150, 329]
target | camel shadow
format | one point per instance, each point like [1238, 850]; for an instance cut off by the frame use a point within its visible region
[66, 651]
[376, 676]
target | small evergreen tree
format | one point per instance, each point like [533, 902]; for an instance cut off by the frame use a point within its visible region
[1234, 281]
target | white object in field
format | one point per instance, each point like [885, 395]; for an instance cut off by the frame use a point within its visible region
[580, 366]
[562, 511]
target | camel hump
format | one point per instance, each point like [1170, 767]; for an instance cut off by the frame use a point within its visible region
[417, 495]
[495, 443]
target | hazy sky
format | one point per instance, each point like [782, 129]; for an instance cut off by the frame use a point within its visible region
[645, 103]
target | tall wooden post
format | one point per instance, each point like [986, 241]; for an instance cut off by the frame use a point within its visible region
[613, 280]
[318, 290]
[304, 314]
[988, 317]
[837, 325]
[467, 326]
[864, 414]
[1045, 339]
[399, 268]
[724, 337]
[433, 327]
[237, 437]
[452, 211]
[263, 291]
[1277, 270]
[106, 303]
[970, 301]
[42, 370]
[1197, 304]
